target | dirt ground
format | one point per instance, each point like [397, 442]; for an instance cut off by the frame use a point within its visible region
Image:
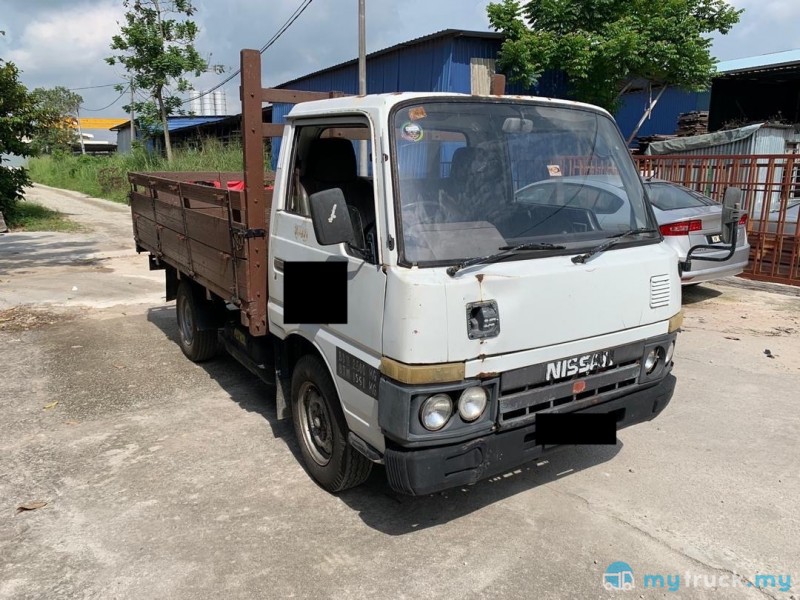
[150, 477]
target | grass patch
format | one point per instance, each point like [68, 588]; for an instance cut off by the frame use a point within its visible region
[28, 216]
[106, 176]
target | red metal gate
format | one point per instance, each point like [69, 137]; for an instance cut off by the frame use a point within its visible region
[771, 195]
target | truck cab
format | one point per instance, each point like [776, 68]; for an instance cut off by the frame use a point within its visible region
[477, 298]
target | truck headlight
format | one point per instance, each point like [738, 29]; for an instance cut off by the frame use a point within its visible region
[670, 352]
[652, 360]
[436, 412]
[472, 403]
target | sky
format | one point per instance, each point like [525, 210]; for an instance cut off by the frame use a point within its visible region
[64, 42]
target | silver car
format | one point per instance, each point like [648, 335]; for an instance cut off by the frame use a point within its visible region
[685, 218]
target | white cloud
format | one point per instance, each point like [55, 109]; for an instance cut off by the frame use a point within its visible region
[63, 42]
[72, 39]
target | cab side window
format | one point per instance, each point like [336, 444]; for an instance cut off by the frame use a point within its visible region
[326, 159]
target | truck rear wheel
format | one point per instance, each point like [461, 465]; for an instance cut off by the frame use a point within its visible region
[321, 429]
[197, 344]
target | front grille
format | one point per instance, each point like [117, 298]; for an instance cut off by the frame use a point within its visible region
[659, 291]
[521, 406]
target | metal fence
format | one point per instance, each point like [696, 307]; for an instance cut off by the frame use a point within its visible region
[771, 195]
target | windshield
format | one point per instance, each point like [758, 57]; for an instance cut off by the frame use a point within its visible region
[668, 196]
[475, 177]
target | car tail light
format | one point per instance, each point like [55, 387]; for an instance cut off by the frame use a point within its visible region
[682, 227]
[743, 220]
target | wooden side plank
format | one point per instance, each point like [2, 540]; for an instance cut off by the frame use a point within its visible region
[142, 205]
[210, 230]
[169, 215]
[174, 245]
[146, 234]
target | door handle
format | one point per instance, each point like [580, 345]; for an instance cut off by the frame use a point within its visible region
[277, 263]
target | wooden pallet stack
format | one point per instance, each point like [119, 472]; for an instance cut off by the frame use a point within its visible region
[692, 123]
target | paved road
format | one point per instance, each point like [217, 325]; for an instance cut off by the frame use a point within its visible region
[166, 479]
[62, 269]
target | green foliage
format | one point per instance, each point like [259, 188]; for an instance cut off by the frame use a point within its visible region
[106, 176]
[58, 109]
[17, 124]
[29, 216]
[156, 47]
[602, 44]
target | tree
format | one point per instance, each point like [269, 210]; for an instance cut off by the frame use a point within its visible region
[603, 45]
[17, 124]
[58, 111]
[156, 47]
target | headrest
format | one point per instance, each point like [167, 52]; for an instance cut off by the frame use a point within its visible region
[462, 158]
[331, 160]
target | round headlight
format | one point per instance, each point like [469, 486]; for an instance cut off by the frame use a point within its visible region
[472, 403]
[651, 362]
[670, 352]
[436, 411]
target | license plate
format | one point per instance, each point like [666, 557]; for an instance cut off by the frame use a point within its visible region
[715, 239]
[579, 365]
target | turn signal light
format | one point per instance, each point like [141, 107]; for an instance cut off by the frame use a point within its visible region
[681, 228]
[743, 220]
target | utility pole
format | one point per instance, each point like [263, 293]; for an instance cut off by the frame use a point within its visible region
[362, 80]
[80, 131]
[133, 116]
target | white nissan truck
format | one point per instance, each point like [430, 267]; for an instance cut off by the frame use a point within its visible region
[424, 309]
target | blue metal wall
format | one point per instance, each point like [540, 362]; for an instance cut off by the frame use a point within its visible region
[436, 65]
[664, 119]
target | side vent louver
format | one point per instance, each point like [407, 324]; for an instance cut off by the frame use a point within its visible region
[659, 291]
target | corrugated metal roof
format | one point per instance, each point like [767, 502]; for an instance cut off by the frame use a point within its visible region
[178, 122]
[762, 62]
[432, 38]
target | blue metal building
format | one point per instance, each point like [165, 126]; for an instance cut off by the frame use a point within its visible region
[452, 60]
[738, 92]
[664, 118]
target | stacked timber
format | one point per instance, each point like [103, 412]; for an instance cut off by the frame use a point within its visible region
[692, 123]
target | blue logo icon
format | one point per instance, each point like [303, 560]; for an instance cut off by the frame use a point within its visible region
[618, 576]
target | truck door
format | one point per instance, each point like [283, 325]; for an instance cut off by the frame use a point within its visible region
[323, 156]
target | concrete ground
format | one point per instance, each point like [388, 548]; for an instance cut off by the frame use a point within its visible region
[165, 479]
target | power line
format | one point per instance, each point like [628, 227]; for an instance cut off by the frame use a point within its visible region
[110, 105]
[304, 4]
[94, 87]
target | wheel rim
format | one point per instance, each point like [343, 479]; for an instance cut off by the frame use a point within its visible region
[316, 424]
[185, 321]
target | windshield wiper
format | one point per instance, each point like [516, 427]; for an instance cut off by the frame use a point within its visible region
[615, 239]
[506, 251]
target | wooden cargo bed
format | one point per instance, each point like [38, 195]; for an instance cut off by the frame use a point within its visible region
[192, 222]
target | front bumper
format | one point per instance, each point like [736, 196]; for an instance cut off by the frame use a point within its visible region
[427, 470]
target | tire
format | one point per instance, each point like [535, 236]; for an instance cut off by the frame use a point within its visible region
[198, 345]
[321, 429]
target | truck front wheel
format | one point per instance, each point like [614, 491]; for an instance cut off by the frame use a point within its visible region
[197, 344]
[321, 429]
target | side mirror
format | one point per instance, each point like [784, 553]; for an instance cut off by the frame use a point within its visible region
[331, 218]
[731, 209]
